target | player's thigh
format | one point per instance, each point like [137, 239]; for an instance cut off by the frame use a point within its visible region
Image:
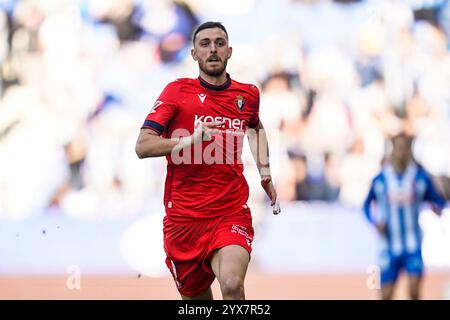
[414, 265]
[231, 260]
[390, 267]
[190, 278]
[183, 256]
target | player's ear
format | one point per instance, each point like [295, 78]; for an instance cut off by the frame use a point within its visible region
[230, 51]
[194, 54]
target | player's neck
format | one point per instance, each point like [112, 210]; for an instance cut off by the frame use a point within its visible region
[215, 81]
[399, 167]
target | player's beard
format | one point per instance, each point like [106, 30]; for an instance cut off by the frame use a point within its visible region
[216, 72]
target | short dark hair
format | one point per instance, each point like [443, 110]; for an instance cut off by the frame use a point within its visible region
[208, 25]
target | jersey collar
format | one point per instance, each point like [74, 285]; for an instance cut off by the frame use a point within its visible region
[212, 87]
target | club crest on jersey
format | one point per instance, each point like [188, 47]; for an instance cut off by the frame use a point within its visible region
[239, 102]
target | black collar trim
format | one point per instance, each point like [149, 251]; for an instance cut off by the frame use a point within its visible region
[213, 87]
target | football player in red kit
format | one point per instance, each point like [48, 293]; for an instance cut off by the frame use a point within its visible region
[199, 125]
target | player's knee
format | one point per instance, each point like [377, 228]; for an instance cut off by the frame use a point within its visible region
[232, 286]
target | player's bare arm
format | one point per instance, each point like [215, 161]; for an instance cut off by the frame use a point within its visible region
[151, 144]
[259, 147]
[381, 228]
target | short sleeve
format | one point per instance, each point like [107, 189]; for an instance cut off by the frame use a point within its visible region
[254, 120]
[163, 110]
[368, 201]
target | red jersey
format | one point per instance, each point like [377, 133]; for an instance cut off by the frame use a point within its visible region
[202, 183]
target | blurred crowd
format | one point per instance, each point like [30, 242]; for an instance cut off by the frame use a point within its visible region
[337, 79]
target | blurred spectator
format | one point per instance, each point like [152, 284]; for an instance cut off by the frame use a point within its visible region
[356, 172]
[171, 23]
[444, 19]
[280, 105]
[314, 186]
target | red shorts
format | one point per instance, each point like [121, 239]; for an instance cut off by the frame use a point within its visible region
[189, 247]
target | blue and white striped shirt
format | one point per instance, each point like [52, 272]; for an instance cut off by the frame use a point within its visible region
[399, 198]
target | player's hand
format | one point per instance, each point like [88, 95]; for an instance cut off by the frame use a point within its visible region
[266, 183]
[381, 228]
[205, 131]
[437, 210]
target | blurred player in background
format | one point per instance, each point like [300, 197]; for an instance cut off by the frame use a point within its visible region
[399, 190]
[199, 125]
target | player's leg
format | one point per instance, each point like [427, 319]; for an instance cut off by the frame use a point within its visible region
[182, 260]
[390, 268]
[414, 267]
[229, 264]
[206, 295]
[192, 281]
[387, 291]
[415, 282]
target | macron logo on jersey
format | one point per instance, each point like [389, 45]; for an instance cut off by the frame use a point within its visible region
[202, 97]
[235, 123]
